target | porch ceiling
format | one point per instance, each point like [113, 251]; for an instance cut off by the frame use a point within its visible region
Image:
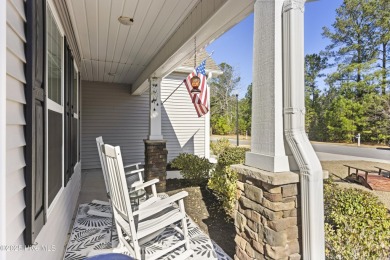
[154, 41]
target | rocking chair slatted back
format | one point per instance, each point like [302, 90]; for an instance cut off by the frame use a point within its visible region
[117, 181]
[100, 143]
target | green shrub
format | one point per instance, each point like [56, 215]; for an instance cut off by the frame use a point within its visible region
[223, 181]
[232, 155]
[357, 225]
[224, 184]
[219, 146]
[192, 167]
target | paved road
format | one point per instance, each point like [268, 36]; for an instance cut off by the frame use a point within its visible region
[366, 152]
[233, 141]
[331, 151]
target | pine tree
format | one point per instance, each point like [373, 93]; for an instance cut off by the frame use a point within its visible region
[222, 100]
[379, 12]
[352, 45]
[314, 64]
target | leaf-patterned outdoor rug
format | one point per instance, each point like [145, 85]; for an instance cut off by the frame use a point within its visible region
[93, 233]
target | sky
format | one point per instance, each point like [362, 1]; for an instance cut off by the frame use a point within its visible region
[235, 46]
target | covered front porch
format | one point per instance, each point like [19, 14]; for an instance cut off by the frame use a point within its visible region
[142, 56]
[102, 72]
[128, 73]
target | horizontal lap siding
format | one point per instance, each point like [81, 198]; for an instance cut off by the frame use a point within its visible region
[121, 119]
[15, 60]
[181, 126]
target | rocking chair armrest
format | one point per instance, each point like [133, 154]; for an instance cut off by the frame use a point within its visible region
[131, 165]
[161, 205]
[134, 171]
[145, 184]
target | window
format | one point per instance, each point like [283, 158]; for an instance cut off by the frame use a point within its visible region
[71, 119]
[50, 132]
[55, 110]
[54, 59]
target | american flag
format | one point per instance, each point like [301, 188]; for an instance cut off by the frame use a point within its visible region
[199, 99]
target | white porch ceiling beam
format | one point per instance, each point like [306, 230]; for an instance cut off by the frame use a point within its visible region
[207, 21]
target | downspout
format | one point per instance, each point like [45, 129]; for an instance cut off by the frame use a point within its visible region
[311, 176]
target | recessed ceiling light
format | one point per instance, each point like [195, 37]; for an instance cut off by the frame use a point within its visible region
[111, 74]
[125, 20]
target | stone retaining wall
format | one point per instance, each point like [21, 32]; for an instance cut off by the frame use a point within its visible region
[267, 214]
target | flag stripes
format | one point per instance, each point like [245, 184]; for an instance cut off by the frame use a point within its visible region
[199, 99]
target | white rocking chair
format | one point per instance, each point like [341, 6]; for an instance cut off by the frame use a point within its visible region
[133, 172]
[141, 224]
[134, 181]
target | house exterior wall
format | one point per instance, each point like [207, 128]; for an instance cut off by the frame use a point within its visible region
[15, 121]
[51, 239]
[181, 126]
[122, 119]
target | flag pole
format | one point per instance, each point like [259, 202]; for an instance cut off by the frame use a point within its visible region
[173, 92]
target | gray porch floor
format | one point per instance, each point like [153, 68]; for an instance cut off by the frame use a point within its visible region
[92, 186]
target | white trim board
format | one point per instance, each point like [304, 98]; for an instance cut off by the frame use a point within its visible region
[3, 100]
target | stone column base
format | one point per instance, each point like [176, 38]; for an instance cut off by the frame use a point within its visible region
[267, 214]
[156, 162]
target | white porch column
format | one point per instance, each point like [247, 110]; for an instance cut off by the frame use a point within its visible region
[311, 176]
[155, 109]
[267, 145]
[207, 122]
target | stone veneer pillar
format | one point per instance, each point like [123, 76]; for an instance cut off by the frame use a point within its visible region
[267, 215]
[156, 162]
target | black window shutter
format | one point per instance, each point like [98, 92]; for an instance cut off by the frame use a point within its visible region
[35, 212]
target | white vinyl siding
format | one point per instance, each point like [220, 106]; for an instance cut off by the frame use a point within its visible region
[181, 126]
[120, 118]
[15, 80]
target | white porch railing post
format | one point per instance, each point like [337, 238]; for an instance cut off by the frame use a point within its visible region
[311, 176]
[155, 109]
[267, 145]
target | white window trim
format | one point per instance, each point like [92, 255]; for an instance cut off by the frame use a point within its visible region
[76, 69]
[76, 115]
[53, 106]
[50, 3]
[3, 126]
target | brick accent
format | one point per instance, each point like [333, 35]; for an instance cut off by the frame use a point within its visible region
[156, 162]
[267, 224]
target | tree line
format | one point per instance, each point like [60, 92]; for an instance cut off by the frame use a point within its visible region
[223, 103]
[354, 97]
